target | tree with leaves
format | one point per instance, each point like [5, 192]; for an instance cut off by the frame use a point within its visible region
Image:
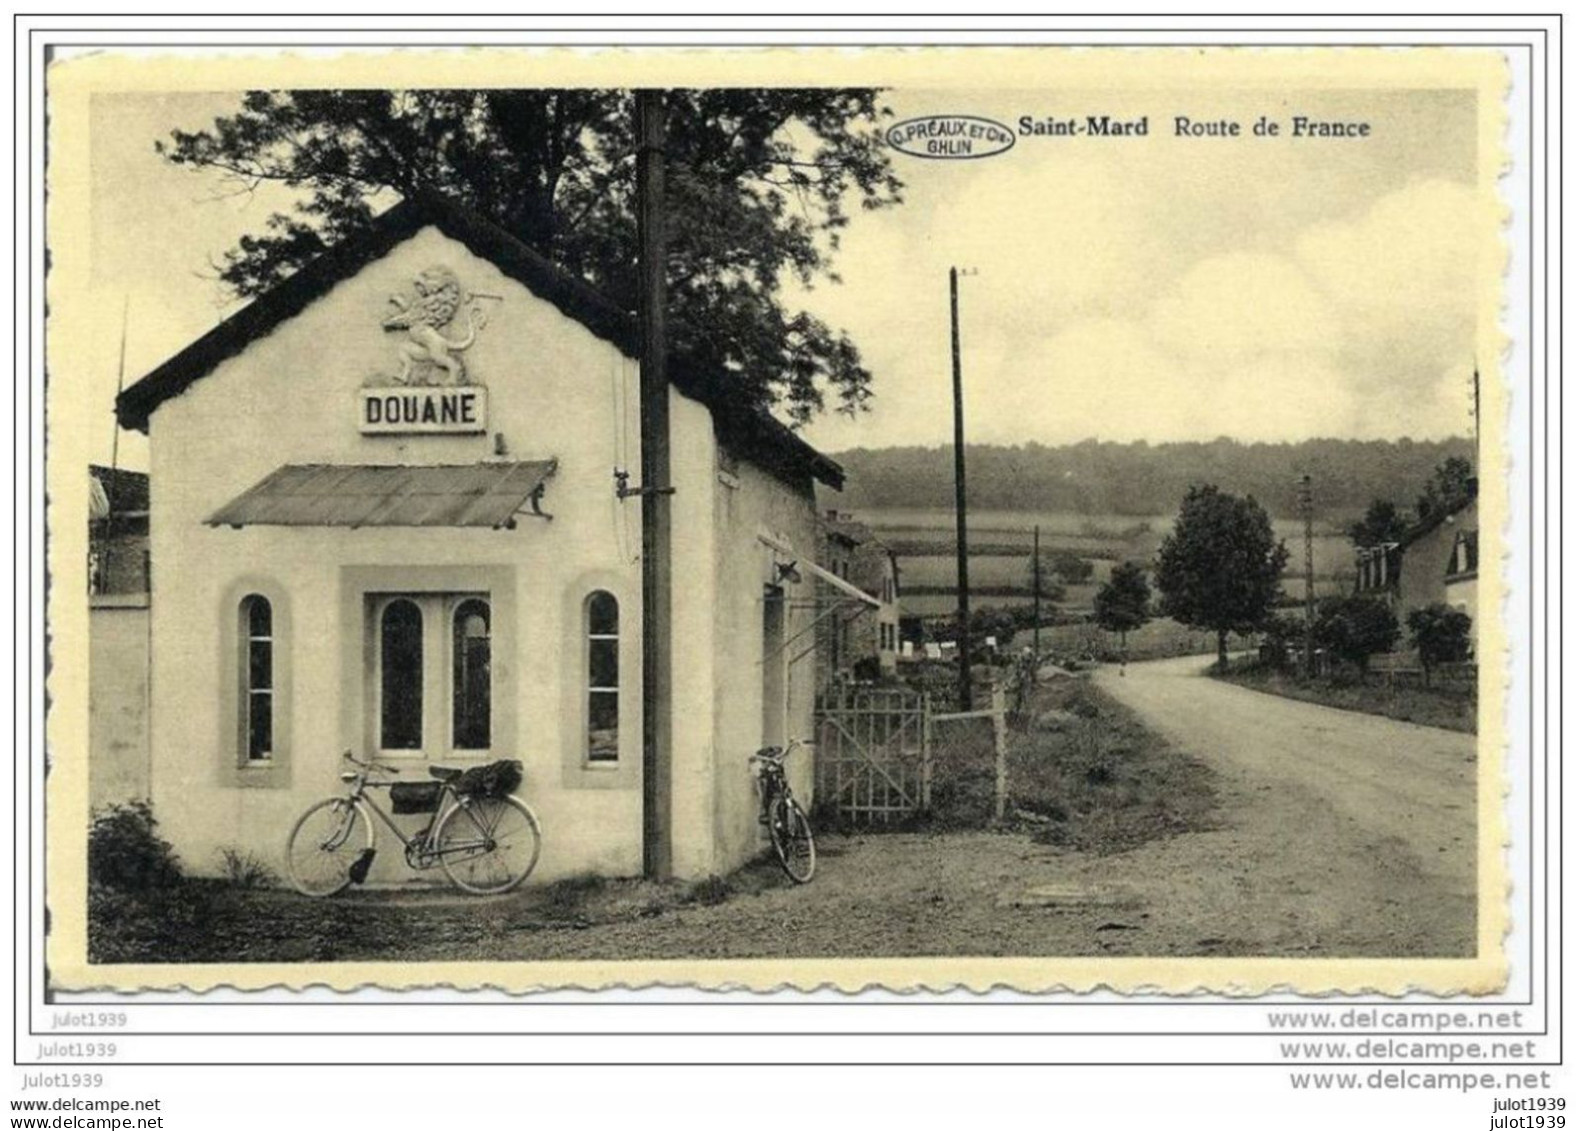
[1043, 580]
[1442, 635]
[1452, 486]
[760, 186]
[1383, 522]
[1220, 566]
[1071, 568]
[1353, 628]
[1122, 603]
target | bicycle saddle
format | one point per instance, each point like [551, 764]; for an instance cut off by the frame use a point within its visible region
[444, 773]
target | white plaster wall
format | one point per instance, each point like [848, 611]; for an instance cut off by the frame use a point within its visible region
[742, 566]
[696, 667]
[117, 700]
[555, 390]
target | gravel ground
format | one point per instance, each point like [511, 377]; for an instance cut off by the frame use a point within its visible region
[1306, 835]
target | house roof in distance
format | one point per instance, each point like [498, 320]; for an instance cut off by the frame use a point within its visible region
[752, 432]
[123, 490]
[1434, 521]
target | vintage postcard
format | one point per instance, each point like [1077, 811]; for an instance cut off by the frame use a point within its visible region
[930, 518]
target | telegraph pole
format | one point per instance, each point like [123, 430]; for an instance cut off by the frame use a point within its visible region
[656, 518]
[1035, 673]
[1305, 502]
[965, 675]
[1477, 417]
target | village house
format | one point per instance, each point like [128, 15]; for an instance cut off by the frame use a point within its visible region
[386, 517]
[118, 635]
[1435, 562]
[117, 531]
[857, 632]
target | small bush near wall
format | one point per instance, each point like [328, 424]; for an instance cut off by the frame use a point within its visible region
[125, 851]
[244, 870]
[139, 903]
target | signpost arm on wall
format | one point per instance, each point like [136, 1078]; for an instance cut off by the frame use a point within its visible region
[656, 528]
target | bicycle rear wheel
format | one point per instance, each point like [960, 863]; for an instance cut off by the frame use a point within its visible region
[488, 845]
[792, 839]
[327, 839]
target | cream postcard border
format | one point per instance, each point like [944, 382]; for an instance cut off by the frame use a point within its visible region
[70, 84]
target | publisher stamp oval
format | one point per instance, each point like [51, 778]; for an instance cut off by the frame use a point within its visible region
[950, 137]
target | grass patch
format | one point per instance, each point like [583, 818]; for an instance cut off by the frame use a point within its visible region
[245, 870]
[708, 892]
[1086, 774]
[1446, 707]
[217, 920]
[566, 899]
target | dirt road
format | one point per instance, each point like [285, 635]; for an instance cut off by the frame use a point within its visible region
[1353, 817]
[1330, 834]
[1335, 835]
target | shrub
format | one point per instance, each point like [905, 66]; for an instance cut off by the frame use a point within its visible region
[1279, 633]
[1354, 628]
[245, 871]
[1442, 635]
[126, 853]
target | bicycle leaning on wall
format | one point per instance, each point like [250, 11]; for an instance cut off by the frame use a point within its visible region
[789, 828]
[485, 839]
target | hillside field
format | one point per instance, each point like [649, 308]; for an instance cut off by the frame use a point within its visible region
[1000, 543]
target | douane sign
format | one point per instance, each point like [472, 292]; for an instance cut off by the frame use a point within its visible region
[458, 409]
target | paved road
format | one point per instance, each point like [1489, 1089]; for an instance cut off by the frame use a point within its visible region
[1316, 790]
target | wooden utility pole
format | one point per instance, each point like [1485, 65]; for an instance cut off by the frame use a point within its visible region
[1477, 416]
[965, 674]
[656, 526]
[1305, 499]
[1035, 671]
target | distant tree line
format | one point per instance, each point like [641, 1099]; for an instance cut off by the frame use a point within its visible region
[1096, 477]
[1452, 485]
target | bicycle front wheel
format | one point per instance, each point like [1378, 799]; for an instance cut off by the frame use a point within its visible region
[792, 839]
[326, 841]
[488, 845]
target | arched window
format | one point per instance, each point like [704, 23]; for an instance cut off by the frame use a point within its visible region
[400, 650]
[601, 619]
[257, 703]
[472, 675]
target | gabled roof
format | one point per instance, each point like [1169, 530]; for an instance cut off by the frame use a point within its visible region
[1439, 518]
[753, 433]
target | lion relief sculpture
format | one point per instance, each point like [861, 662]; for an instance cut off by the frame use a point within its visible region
[435, 302]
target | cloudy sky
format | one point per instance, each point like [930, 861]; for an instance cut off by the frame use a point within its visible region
[1165, 288]
[1157, 287]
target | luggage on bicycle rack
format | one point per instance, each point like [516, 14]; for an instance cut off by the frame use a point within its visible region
[415, 796]
[496, 779]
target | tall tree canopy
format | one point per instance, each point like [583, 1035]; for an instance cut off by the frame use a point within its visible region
[1122, 603]
[1450, 488]
[759, 189]
[1220, 566]
[1382, 522]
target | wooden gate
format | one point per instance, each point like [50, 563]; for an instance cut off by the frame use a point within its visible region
[872, 754]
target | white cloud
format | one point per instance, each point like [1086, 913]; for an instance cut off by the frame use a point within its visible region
[1239, 305]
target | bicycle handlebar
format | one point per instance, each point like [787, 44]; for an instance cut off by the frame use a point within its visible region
[373, 766]
[777, 754]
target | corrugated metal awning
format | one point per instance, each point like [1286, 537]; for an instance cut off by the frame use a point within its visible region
[473, 494]
[847, 588]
